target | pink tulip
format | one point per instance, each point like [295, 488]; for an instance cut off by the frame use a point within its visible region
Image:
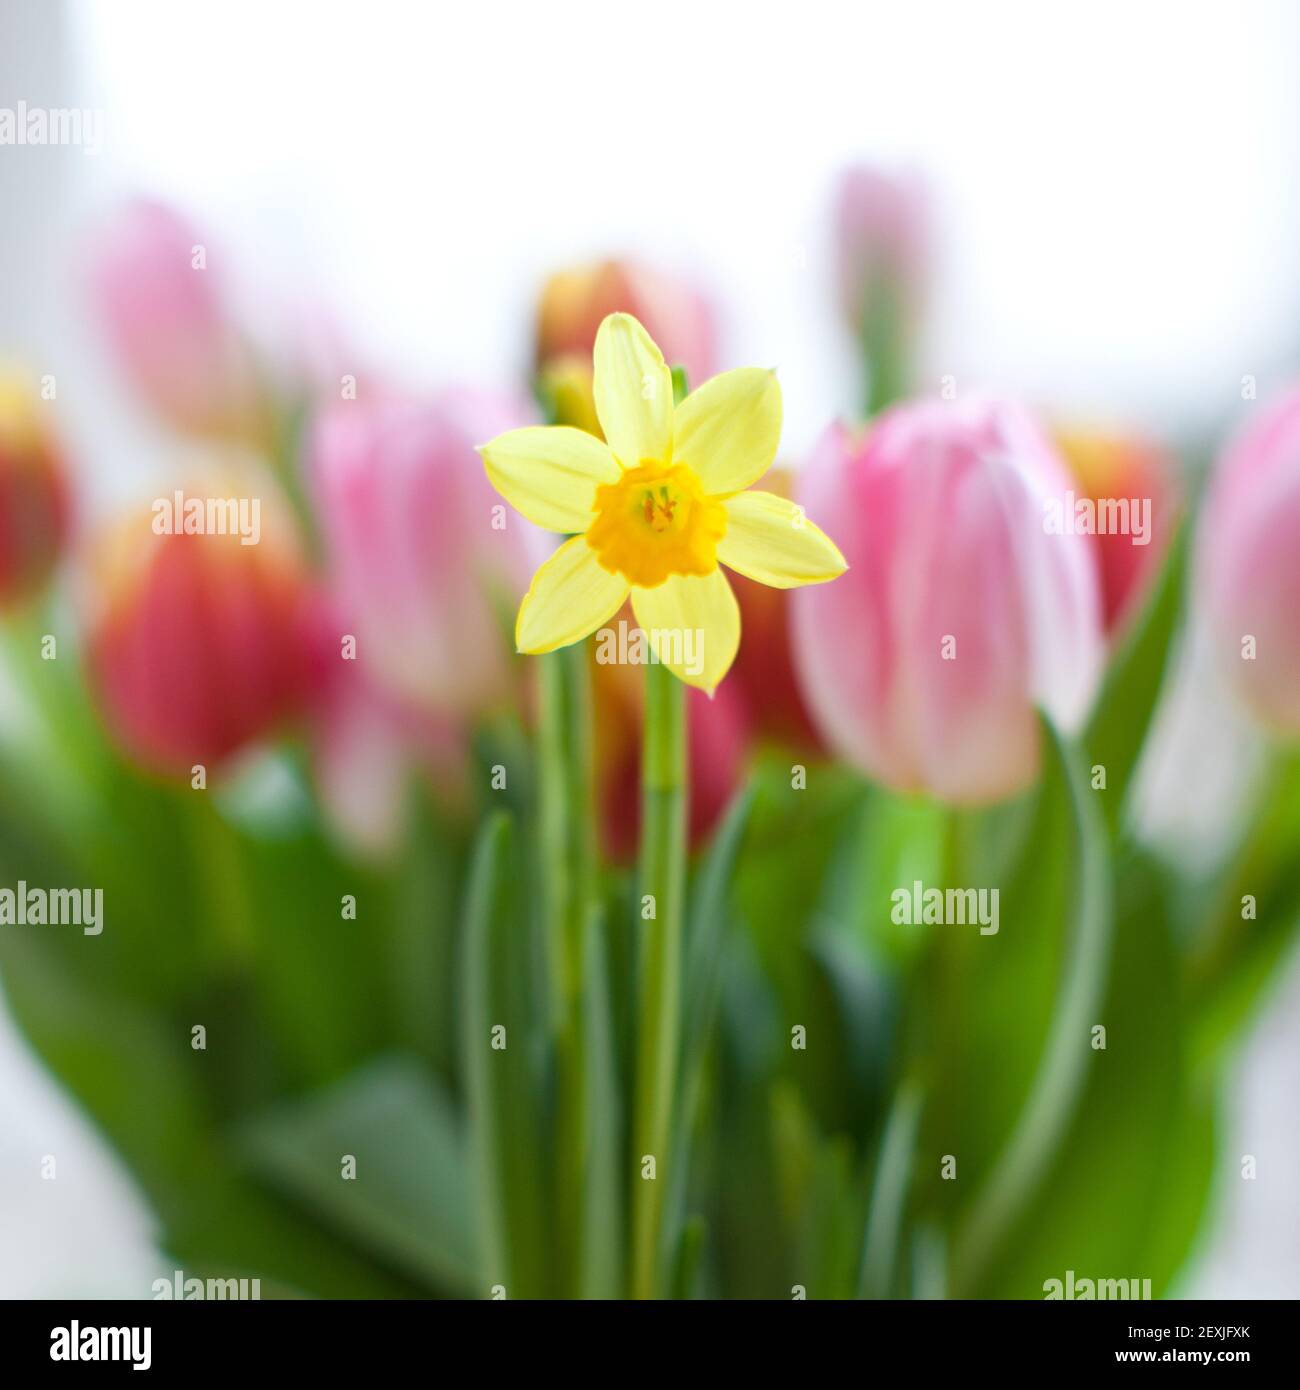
[367, 746]
[426, 564]
[159, 289]
[882, 245]
[1249, 563]
[960, 613]
[199, 644]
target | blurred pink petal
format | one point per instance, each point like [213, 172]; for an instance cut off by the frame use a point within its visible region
[959, 614]
[426, 565]
[1249, 563]
[159, 289]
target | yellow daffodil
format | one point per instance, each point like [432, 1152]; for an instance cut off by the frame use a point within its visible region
[657, 507]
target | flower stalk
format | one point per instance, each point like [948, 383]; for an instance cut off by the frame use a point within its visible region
[663, 876]
[568, 878]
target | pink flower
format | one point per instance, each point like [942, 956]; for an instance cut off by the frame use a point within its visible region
[160, 293]
[961, 612]
[1249, 563]
[199, 645]
[426, 565]
[882, 245]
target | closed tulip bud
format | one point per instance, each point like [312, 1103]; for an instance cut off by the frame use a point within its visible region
[426, 563]
[161, 299]
[1248, 564]
[962, 611]
[1128, 498]
[718, 742]
[199, 644]
[574, 303]
[883, 255]
[34, 503]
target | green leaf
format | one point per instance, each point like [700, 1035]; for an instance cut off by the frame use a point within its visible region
[1134, 679]
[1009, 1012]
[1126, 1192]
[1235, 952]
[502, 1082]
[409, 1202]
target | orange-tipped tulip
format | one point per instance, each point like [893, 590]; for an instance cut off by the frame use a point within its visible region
[574, 303]
[34, 503]
[1132, 474]
[200, 645]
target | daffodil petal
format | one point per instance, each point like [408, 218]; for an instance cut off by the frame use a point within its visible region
[550, 473]
[634, 391]
[693, 626]
[570, 596]
[728, 430]
[771, 540]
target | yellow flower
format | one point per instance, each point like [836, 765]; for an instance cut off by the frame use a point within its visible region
[657, 507]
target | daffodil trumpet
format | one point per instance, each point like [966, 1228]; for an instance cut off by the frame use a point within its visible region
[652, 512]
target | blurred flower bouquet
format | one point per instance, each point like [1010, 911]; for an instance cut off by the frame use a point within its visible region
[826, 956]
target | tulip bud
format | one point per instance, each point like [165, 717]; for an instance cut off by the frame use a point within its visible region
[34, 504]
[426, 562]
[1130, 495]
[575, 302]
[961, 611]
[199, 644]
[717, 734]
[161, 300]
[1248, 563]
[883, 257]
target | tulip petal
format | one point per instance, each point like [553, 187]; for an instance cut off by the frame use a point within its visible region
[550, 473]
[728, 431]
[634, 391]
[570, 596]
[693, 626]
[771, 540]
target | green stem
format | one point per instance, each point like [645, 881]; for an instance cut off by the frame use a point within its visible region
[663, 876]
[568, 880]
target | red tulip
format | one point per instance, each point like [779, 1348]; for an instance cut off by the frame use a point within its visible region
[199, 644]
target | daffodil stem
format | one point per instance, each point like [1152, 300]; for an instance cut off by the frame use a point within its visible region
[568, 878]
[660, 902]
